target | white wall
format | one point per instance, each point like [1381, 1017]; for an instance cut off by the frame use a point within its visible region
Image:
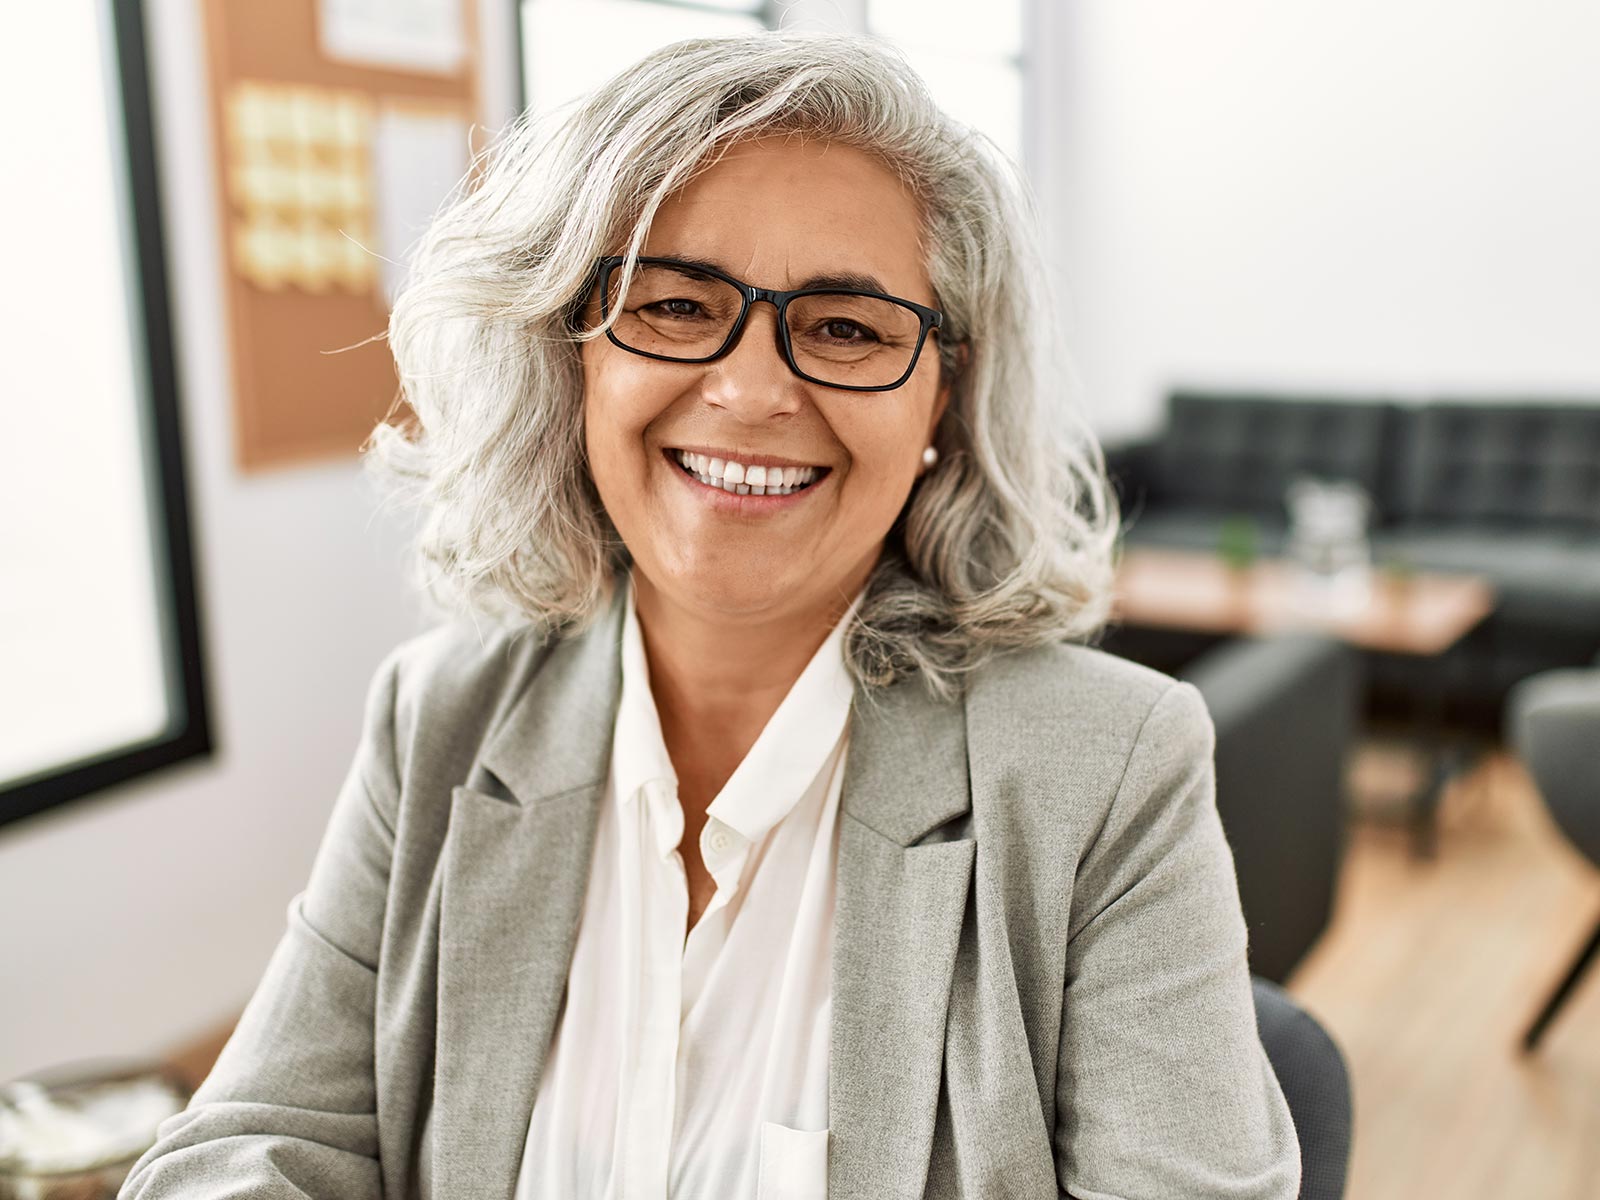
[1369, 196]
[144, 916]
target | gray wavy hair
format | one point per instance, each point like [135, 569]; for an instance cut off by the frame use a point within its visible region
[1007, 542]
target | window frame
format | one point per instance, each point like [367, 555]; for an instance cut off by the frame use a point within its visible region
[188, 734]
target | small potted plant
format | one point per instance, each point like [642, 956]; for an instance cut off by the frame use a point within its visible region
[1399, 573]
[1239, 544]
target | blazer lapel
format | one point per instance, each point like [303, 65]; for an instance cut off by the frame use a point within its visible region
[897, 923]
[516, 867]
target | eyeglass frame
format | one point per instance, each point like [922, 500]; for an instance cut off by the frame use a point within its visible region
[929, 318]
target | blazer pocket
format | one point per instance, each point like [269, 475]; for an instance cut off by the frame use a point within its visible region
[794, 1163]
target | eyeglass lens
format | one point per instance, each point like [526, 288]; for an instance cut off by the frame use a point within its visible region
[838, 338]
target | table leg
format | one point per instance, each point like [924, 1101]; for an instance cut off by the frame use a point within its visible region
[1424, 804]
[1445, 754]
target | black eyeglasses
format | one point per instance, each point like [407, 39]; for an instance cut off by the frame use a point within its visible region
[839, 337]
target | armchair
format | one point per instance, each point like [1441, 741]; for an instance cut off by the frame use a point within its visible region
[1554, 724]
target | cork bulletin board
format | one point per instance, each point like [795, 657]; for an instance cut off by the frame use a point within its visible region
[338, 129]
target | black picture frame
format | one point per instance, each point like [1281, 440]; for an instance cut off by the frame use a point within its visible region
[188, 734]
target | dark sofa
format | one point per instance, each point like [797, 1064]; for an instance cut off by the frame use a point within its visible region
[1507, 490]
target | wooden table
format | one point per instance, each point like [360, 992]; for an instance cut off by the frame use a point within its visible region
[1420, 616]
[1423, 614]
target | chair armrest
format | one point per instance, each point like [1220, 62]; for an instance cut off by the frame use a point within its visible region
[1285, 710]
[1311, 1071]
[1553, 722]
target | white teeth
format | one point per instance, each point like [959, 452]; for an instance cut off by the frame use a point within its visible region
[738, 479]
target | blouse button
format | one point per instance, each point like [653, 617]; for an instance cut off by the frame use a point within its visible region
[720, 841]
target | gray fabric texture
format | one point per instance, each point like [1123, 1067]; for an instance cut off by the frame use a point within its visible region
[1040, 981]
[1554, 723]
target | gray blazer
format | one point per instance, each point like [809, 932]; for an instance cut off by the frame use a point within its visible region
[1039, 958]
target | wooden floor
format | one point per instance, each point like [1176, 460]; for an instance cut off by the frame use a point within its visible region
[1427, 978]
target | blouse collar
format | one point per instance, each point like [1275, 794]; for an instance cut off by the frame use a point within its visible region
[786, 758]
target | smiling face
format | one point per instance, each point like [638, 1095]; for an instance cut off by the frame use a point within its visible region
[661, 435]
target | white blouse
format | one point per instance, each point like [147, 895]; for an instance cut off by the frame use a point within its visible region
[698, 1069]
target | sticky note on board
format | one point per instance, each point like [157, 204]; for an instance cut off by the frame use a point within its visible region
[300, 179]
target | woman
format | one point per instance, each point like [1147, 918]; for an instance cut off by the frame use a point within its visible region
[773, 840]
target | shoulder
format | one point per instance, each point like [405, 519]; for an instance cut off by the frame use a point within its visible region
[451, 681]
[460, 663]
[1068, 699]
[1106, 763]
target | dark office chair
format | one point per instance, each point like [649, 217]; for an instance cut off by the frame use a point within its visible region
[1553, 723]
[1286, 710]
[1312, 1074]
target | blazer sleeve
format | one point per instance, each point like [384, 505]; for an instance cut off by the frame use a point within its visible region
[290, 1108]
[1163, 1086]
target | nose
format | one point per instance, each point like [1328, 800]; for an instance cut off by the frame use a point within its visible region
[752, 381]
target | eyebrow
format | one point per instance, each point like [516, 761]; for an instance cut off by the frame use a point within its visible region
[847, 280]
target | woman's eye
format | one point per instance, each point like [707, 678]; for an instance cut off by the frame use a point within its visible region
[675, 308]
[841, 330]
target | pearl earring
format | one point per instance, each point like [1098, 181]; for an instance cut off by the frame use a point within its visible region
[930, 456]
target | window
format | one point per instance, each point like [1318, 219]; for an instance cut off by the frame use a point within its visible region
[969, 54]
[100, 675]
